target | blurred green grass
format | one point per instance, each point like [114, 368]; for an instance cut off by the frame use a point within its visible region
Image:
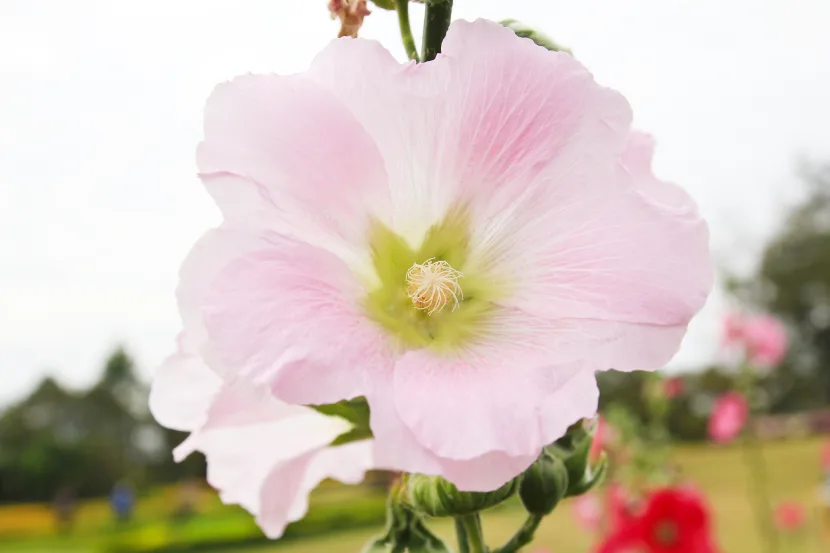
[356, 514]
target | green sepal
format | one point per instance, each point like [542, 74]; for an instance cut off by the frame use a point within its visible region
[540, 38]
[592, 477]
[436, 497]
[405, 531]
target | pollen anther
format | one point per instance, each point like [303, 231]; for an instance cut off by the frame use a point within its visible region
[432, 284]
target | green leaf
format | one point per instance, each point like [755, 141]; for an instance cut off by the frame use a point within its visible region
[541, 39]
[356, 411]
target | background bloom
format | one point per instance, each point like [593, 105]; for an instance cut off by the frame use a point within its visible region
[673, 521]
[789, 516]
[762, 338]
[261, 453]
[587, 511]
[728, 417]
[501, 159]
[673, 387]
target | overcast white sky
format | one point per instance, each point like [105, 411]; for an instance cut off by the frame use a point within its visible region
[100, 112]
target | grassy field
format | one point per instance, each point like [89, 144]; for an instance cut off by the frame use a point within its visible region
[793, 471]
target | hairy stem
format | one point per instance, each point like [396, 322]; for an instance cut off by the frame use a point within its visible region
[436, 22]
[757, 467]
[461, 534]
[523, 535]
[472, 530]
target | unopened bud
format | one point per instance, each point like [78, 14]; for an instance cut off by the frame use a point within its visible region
[436, 497]
[544, 484]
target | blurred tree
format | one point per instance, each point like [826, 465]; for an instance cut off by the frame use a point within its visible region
[793, 282]
[86, 441]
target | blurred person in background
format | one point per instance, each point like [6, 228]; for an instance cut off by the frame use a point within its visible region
[64, 509]
[122, 501]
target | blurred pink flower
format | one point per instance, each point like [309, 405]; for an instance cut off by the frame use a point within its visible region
[587, 510]
[464, 242]
[789, 516]
[601, 436]
[673, 387]
[824, 456]
[762, 338]
[728, 417]
[261, 453]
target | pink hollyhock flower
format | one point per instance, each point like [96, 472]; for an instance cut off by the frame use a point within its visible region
[762, 338]
[587, 510]
[789, 516]
[728, 417]
[464, 242]
[673, 387]
[261, 453]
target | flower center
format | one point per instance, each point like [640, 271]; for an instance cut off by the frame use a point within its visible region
[431, 285]
[666, 533]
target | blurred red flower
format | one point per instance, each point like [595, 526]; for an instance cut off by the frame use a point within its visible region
[674, 520]
[673, 387]
[789, 516]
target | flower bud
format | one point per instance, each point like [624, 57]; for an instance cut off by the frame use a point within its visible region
[574, 450]
[405, 530]
[544, 484]
[436, 497]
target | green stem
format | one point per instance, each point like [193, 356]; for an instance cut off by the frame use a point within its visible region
[461, 533]
[436, 22]
[402, 7]
[757, 467]
[523, 535]
[472, 530]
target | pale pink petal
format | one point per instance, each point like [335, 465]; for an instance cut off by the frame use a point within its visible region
[346, 463]
[496, 397]
[211, 254]
[299, 151]
[183, 388]
[396, 448]
[615, 255]
[290, 313]
[267, 456]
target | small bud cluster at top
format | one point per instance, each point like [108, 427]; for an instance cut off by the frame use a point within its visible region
[350, 13]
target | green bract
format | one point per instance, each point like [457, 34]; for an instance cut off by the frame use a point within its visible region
[389, 304]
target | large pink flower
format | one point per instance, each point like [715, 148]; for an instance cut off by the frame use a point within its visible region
[761, 338]
[464, 242]
[728, 417]
[262, 454]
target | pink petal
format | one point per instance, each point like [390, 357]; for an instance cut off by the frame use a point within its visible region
[183, 388]
[396, 448]
[299, 151]
[208, 256]
[634, 251]
[288, 315]
[496, 397]
[267, 456]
